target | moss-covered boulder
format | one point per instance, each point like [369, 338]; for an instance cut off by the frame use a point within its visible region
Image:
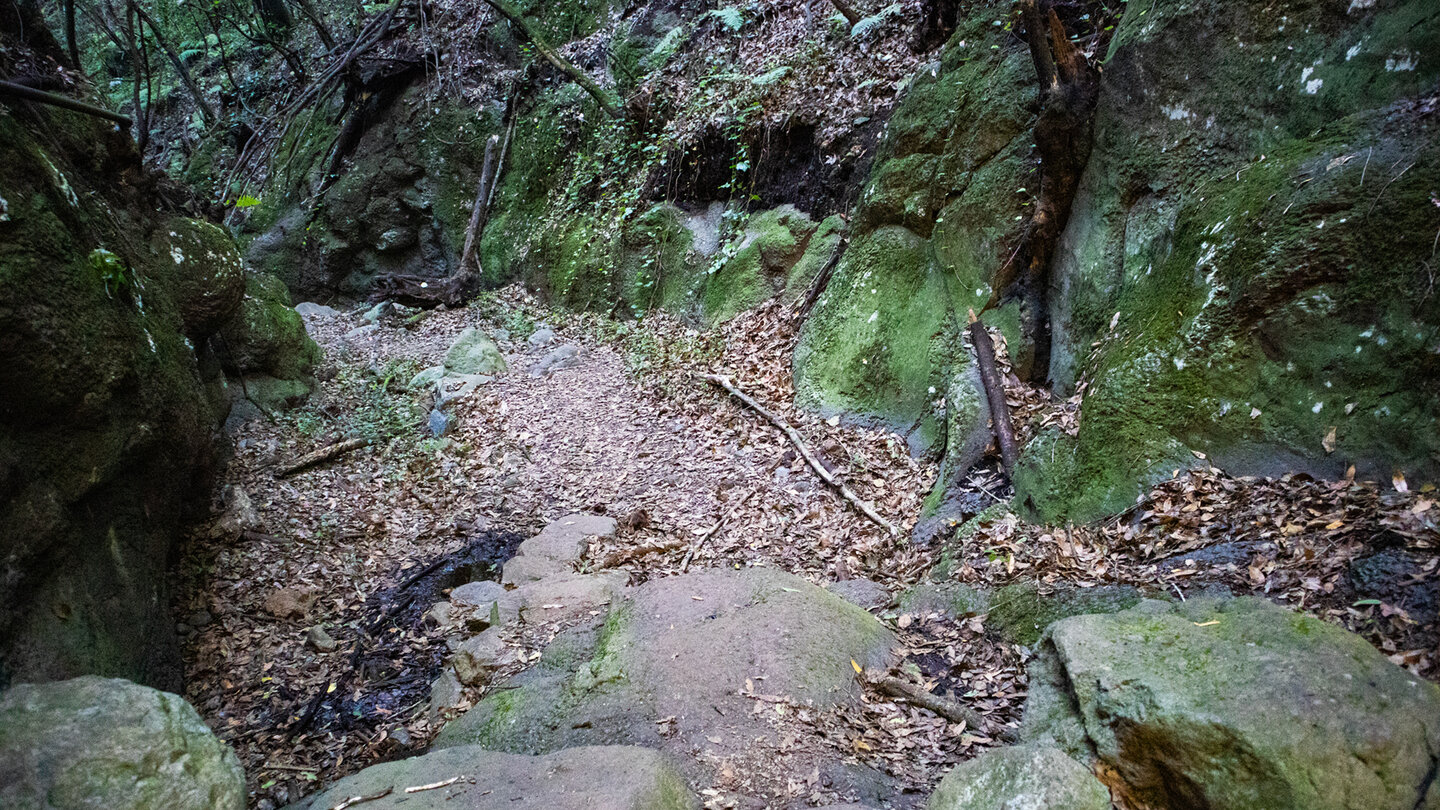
[618, 777]
[757, 266]
[684, 648]
[1236, 704]
[267, 345]
[105, 418]
[1255, 222]
[934, 223]
[473, 352]
[98, 742]
[1022, 776]
[1021, 611]
[207, 279]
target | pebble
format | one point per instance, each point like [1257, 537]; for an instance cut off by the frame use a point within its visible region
[320, 640]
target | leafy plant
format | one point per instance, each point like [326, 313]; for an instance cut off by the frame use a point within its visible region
[112, 271]
[729, 16]
[872, 23]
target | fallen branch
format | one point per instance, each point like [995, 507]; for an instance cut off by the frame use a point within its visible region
[995, 395]
[822, 280]
[64, 102]
[948, 709]
[433, 785]
[626, 555]
[708, 533]
[354, 800]
[322, 455]
[845, 492]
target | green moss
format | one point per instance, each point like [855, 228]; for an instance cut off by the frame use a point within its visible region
[818, 253]
[876, 342]
[1020, 612]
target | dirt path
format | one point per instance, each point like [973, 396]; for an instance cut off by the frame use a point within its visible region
[668, 459]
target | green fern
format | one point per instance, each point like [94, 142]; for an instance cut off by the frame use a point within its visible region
[771, 76]
[872, 23]
[666, 47]
[730, 17]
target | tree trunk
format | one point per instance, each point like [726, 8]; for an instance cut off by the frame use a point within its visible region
[70, 44]
[848, 11]
[318, 21]
[603, 98]
[206, 111]
[1069, 86]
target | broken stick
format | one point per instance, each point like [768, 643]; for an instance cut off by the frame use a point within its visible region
[948, 709]
[994, 394]
[323, 454]
[354, 800]
[867, 509]
[700, 541]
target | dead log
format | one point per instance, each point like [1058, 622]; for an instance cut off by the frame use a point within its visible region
[633, 553]
[481, 208]
[929, 701]
[805, 452]
[994, 395]
[822, 280]
[322, 455]
[64, 102]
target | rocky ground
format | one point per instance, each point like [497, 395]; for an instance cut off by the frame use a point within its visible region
[351, 613]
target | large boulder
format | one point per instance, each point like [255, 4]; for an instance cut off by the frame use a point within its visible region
[1236, 705]
[676, 664]
[590, 778]
[266, 338]
[1040, 777]
[95, 742]
[108, 395]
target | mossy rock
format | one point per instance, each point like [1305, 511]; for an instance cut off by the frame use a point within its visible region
[1235, 705]
[774, 241]
[206, 279]
[473, 352]
[267, 335]
[1020, 612]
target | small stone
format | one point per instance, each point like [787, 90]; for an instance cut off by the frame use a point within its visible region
[373, 314]
[445, 693]
[427, 378]
[474, 353]
[310, 309]
[362, 331]
[477, 657]
[199, 618]
[440, 614]
[543, 336]
[478, 593]
[567, 356]
[289, 603]
[402, 737]
[320, 640]
[501, 334]
[439, 423]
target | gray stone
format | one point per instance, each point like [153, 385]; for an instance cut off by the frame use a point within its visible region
[439, 423]
[361, 332]
[542, 337]
[590, 778]
[685, 647]
[951, 600]
[427, 378]
[567, 356]
[445, 694]
[867, 593]
[1021, 611]
[1237, 704]
[480, 592]
[563, 595]
[556, 547]
[319, 640]
[441, 615]
[474, 353]
[95, 742]
[373, 314]
[310, 309]
[476, 657]
[1027, 776]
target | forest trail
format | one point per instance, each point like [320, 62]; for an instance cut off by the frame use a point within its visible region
[661, 452]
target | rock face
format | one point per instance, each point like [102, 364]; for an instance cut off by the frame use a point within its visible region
[1237, 704]
[1026, 776]
[682, 648]
[109, 393]
[96, 742]
[1257, 315]
[591, 778]
[266, 343]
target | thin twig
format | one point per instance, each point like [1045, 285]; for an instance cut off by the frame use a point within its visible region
[354, 800]
[433, 785]
[323, 454]
[845, 492]
[948, 709]
[700, 541]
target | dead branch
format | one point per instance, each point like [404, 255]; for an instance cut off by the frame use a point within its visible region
[708, 533]
[481, 207]
[847, 10]
[354, 800]
[625, 555]
[994, 395]
[822, 280]
[322, 455]
[845, 492]
[948, 709]
[64, 102]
